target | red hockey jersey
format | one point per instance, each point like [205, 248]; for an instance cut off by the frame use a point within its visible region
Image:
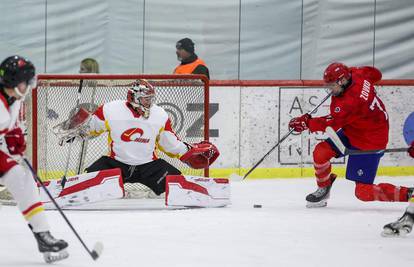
[358, 111]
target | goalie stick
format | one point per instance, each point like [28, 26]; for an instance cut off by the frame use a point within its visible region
[346, 151]
[236, 177]
[98, 247]
[63, 182]
[84, 145]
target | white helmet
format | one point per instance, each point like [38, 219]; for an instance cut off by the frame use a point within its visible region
[141, 96]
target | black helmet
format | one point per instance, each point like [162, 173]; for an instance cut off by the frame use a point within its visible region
[14, 70]
[187, 44]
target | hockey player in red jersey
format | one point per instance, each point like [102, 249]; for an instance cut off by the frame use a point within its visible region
[17, 78]
[137, 129]
[361, 121]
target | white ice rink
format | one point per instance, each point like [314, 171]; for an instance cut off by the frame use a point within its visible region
[282, 233]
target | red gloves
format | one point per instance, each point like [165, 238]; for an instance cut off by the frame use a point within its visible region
[300, 124]
[411, 150]
[201, 155]
[15, 141]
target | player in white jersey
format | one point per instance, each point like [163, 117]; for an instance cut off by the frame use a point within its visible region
[17, 78]
[136, 129]
[404, 225]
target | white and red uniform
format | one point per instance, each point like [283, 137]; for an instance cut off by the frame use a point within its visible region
[132, 139]
[8, 121]
[18, 180]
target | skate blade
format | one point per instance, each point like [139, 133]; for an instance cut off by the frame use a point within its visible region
[388, 232]
[51, 257]
[320, 204]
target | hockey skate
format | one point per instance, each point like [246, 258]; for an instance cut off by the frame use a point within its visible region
[6, 197]
[53, 249]
[320, 197]
[400, 228]
[410, 193]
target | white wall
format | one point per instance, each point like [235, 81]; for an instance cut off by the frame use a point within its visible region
[251, 120]
[247, 39]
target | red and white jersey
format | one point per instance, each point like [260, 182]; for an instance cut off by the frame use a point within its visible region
[358, 111]
[132, 139]
[9, 118]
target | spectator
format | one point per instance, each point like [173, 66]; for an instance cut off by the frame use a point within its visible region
[89, 65]
[190, 62]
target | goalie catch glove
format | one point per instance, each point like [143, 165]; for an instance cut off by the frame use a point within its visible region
[200, 155]
[77, 126]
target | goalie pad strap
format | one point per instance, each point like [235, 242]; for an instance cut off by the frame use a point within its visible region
[186, 184]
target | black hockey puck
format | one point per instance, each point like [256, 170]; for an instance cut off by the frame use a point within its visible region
[257, 206]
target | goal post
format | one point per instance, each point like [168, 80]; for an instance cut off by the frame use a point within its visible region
[184, 97]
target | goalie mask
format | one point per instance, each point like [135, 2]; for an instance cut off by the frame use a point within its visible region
[142, 96]
[14, 70]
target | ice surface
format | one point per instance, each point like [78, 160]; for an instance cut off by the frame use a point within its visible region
[281, 233]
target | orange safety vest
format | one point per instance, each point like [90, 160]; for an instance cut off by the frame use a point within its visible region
[188, 68]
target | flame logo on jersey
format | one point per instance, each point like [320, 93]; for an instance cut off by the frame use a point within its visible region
[134, 135]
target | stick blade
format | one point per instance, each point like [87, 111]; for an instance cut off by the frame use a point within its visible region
[97, 250]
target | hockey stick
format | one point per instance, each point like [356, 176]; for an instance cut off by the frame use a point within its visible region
[64, 178]
[84, 145]
[346, 151]
[236, 177]
[97, 248]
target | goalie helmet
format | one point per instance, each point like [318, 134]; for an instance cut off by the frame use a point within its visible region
[141, 96]
[15, 70]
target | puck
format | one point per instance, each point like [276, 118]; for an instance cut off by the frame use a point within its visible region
[257, 206]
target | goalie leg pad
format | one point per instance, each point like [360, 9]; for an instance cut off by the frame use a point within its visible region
[196, 191]
[85, 188]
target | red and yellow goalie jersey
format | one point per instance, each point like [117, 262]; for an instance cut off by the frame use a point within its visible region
[358, 111]
[132, 139]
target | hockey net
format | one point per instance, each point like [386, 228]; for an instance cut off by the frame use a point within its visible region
[184, 97]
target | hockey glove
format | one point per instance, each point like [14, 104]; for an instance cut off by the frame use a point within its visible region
[411, 150]
[300, 124]
[15, 141]
[200, 155]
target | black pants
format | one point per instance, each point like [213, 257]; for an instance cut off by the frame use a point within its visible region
[151, 174]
